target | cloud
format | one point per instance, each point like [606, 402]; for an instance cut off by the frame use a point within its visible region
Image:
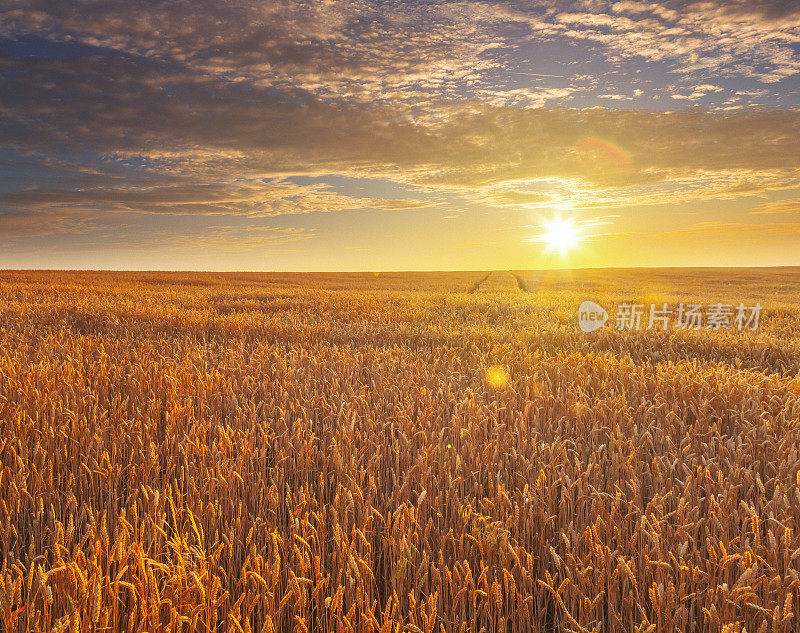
[251, 198]
[368, 51]
[220, 238]
[208, 108]
[510, 197]
[491, 145]
[360, 50]
[778, 207]
[223, 149]
[735, 37]
[24, 223]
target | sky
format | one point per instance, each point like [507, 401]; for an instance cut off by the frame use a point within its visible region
[391, 135]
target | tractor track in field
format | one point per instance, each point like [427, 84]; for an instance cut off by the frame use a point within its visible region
[522, 283]
[529, 282]
[474, 288]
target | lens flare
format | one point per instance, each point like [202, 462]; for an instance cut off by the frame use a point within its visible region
[497, 377]
[607, 152]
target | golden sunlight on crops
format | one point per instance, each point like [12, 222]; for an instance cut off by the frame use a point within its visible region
[395, 453]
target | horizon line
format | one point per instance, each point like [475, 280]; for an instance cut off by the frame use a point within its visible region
[372, 271]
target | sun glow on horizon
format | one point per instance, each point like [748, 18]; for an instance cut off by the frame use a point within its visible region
[559, 235]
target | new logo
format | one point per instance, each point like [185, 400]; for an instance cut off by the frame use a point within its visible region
[591, 316]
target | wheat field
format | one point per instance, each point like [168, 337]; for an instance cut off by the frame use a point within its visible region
[405, 452]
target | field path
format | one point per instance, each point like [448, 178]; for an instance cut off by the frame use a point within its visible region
[497, 281]
[474, 288]
[527, 282]
[520, 282]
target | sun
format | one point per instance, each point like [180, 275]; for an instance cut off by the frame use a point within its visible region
[560, 235]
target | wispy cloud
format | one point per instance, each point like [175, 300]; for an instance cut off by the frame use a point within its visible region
[779, 207]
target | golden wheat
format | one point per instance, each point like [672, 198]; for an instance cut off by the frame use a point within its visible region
[396, 452]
